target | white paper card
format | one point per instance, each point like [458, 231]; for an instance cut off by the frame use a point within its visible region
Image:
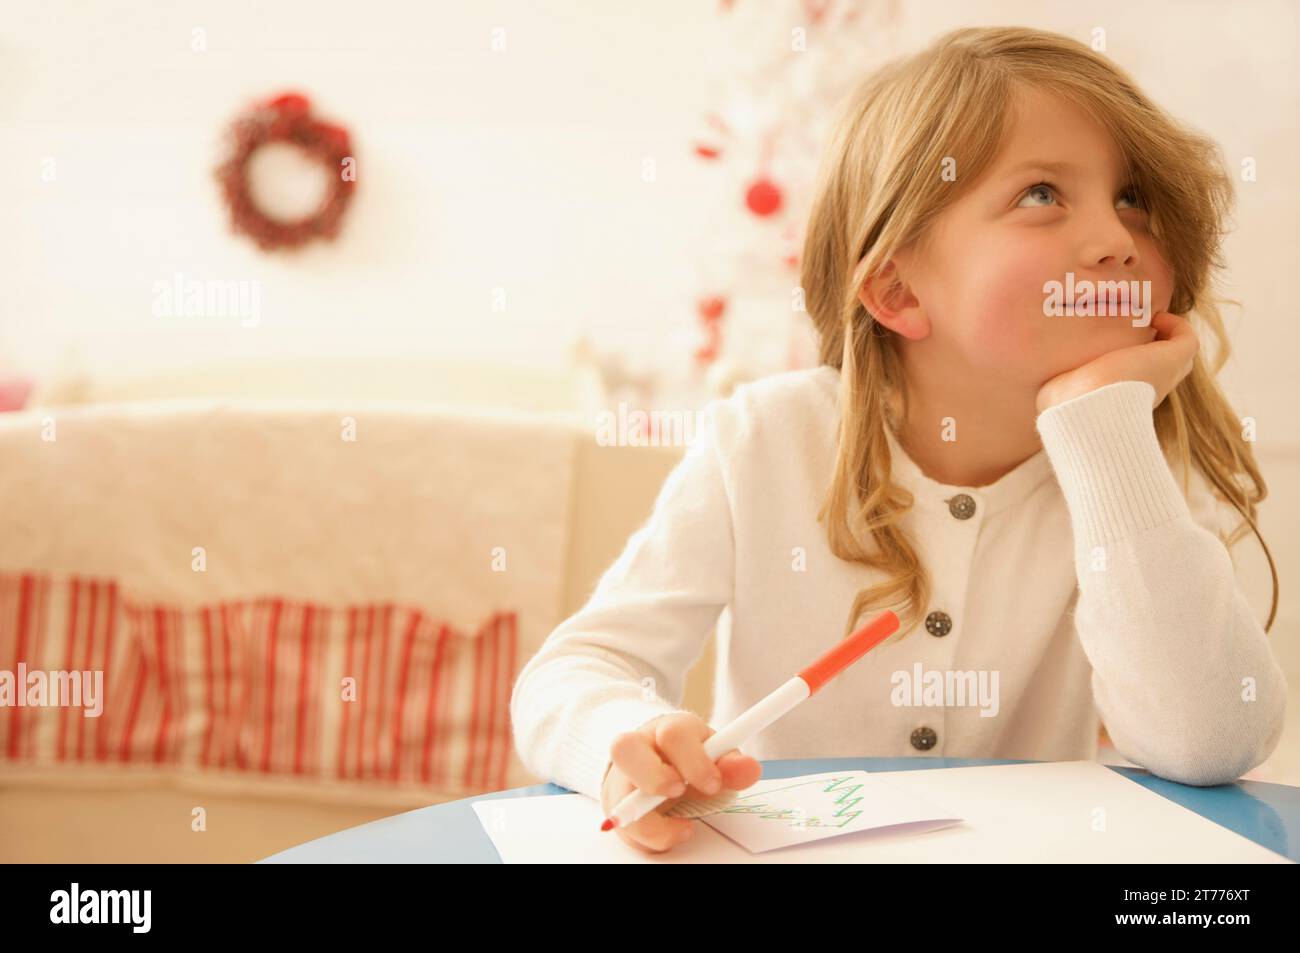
[786, 811]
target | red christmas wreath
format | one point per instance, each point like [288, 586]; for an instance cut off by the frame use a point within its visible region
[287, 118]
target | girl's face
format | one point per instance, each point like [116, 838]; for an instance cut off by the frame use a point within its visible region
[980, 282]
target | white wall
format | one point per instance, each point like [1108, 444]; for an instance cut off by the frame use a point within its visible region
[519, 170]
[476, 170]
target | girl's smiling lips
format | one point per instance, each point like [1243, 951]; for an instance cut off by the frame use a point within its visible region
[1102, 300]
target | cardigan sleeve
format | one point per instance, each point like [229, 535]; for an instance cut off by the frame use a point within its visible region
[622, 659]
[1182, 671]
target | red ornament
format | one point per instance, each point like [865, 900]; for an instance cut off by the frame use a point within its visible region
[763, 197]
[816, 9]
[285, 118]
[711, 311]
[711, 308]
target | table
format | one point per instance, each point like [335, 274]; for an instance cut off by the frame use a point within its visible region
[1268, 814]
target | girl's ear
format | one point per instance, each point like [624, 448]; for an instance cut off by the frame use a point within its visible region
[890, 301]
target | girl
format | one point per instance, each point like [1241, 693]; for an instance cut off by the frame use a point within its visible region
[1014, 479]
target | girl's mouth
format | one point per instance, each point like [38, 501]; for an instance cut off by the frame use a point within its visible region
[1110, 302]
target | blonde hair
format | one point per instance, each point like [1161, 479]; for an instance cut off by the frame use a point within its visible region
[879, 189]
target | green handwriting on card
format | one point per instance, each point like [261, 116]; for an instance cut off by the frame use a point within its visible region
[842, 798]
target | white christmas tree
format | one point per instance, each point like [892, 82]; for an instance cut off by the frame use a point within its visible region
[785, 72]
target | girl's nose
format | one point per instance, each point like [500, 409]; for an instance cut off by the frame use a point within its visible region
[1109, 242]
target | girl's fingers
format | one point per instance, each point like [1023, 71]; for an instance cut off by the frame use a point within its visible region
[1180, 334]
[658, 832]
[739, 771]
[1164, 323]
[635, 756]
[1181, 329]
[1171, 327]
[670, 752]
[681, 742]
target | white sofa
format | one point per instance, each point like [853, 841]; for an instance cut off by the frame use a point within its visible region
[282, 507]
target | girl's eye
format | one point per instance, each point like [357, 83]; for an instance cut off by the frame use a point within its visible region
[1132, 195]
[1041, 187]
[1046, 190]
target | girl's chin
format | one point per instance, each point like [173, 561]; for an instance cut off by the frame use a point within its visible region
[1068, 356]
[1101, 341]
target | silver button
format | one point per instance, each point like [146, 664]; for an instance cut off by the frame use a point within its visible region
[962, 506]
[938, 623]
[923, 739]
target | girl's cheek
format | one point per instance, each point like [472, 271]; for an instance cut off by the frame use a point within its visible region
[999, 337]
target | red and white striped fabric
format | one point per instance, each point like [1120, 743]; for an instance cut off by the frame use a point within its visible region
[231, 564]
[367, 695]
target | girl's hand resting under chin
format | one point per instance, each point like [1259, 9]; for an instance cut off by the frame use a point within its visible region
[1162, 363]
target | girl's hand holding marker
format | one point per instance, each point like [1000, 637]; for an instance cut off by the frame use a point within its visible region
[652, 766]
[661, 757]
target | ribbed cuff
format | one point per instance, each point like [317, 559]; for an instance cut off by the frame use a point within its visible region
[584, 754]
[1108, 461]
